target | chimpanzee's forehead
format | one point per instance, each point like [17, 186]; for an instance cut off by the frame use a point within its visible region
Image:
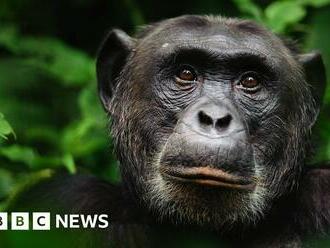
[214, 35]
[219, 42]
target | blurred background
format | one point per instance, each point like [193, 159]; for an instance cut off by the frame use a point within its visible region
[50, 115]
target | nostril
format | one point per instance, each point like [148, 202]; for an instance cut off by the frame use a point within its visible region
[205, 119]
[223, 122]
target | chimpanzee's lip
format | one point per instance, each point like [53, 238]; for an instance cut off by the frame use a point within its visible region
[207, 176]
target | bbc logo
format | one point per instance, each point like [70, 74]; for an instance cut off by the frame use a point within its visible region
[21, 221]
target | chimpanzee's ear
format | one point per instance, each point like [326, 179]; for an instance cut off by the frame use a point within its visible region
[111, 58]
[315, 74]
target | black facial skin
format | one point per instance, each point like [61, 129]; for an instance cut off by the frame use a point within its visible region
[211, 119]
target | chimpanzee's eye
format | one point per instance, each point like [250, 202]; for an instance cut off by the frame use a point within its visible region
[186, 75]
[249, 82]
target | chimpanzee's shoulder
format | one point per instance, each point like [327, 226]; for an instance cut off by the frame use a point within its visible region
[313, 199]
[83, 194]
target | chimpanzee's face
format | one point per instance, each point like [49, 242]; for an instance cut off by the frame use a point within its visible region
[208, 119]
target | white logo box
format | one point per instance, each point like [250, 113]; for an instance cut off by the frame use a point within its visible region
[21, 221]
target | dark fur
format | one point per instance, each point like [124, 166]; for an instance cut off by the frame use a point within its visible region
[143, 118]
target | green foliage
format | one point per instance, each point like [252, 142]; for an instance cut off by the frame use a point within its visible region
[5, 128]
[50, 115]
[6, 183]
[68, 65]
[27, 156]
[48, 93]
[277, 16]
[249, 8]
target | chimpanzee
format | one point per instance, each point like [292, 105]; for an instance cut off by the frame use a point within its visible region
[211, 119]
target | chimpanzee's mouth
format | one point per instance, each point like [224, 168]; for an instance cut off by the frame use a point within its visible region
[207, 176]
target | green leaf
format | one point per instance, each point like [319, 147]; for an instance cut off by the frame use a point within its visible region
[6, 183]
[90, 106]
[42, 162]
[86, 135]
[5, 128]
[18, 153]
[83, 138]
[250, 8]
[69, 65]
[65, 63]
[28, 156]
[8, 37]
[315, 3]
[68, 162]
[280, 15]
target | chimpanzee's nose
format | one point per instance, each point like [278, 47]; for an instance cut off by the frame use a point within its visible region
[217, 120]
[212, 119]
